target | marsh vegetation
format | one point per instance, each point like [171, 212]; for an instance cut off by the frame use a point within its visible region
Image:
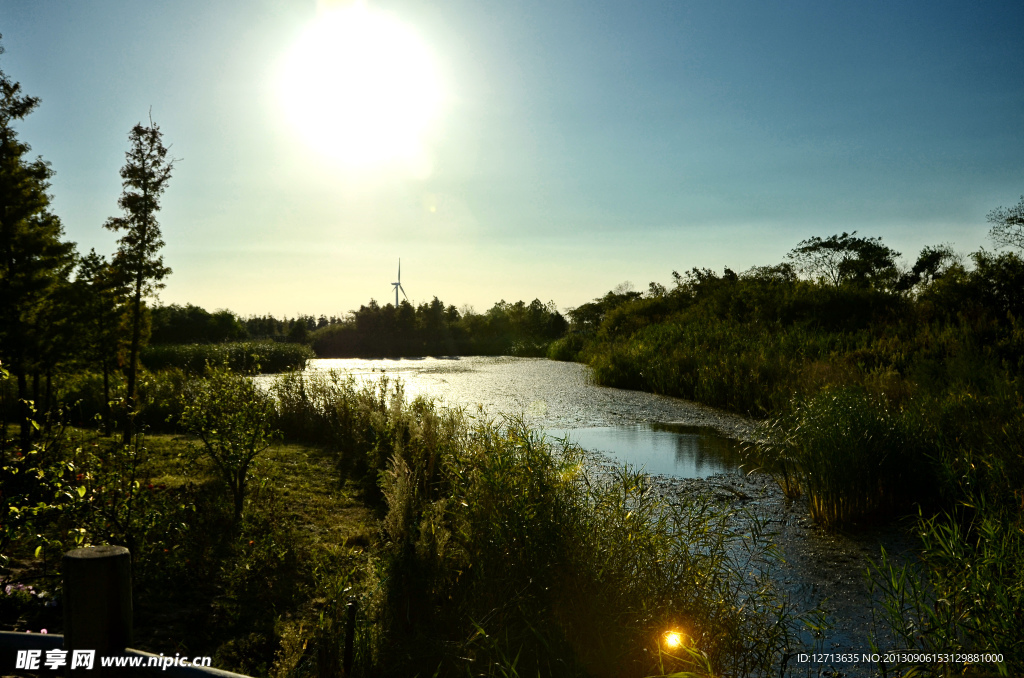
[476, 547]
[471, 545]
[881, 391]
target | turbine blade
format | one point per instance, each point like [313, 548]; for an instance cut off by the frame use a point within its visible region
[403, 292]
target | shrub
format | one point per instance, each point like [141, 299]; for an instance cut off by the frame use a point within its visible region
[232, 417]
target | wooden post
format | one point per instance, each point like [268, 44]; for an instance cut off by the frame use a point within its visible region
[350, 636]
[98, 600]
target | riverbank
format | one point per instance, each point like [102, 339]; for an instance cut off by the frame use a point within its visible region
[489, 552]
[814, 568]
[424, 470]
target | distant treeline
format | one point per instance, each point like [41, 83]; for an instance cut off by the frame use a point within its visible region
[192, 324]
[377, 331]
[434, 329]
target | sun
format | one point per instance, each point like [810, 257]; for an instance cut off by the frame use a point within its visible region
[361, 87]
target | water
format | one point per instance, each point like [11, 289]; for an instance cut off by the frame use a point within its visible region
[663, 435]
[663, 449]
[676, 439]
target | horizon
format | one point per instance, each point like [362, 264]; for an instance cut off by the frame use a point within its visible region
[552, 153]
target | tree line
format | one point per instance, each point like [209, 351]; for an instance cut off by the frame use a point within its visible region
[191, 324]
[431, 328]
[59, 309]
[428, 328]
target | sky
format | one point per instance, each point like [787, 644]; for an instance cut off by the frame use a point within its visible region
[563, 148]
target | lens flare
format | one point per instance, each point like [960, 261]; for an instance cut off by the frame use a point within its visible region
[362, 87]
[673, 639]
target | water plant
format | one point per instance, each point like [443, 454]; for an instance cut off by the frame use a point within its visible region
[264, 356]
[856, 457]
[966, 597]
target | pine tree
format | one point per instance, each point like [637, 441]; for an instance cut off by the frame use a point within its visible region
[101, 298]
[144, 178]
[34, 261]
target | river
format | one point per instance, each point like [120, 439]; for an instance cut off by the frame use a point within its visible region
[687, 447]
[664, 436]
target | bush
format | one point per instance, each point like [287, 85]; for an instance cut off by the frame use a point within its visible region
[232, 417]
[567, 348]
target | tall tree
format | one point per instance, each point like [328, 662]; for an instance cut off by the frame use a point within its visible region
[100, 304]
[144, 179]
[34, 261]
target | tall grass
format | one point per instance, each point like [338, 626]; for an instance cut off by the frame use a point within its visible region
[749, 368]
[965, 597]
[502, 555]
[246, 356]
[855, 457]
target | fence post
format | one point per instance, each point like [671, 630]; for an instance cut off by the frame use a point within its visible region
[98, 600]
[350, 636]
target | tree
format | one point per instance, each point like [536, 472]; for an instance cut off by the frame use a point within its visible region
[101, 305]
[1008, 225]
[231, 416]
[34, 261]
[144, 178]
[932, 264]
[846, 258]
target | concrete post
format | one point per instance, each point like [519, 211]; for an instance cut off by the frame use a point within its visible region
[98, 600]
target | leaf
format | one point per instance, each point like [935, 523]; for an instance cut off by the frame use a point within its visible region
[81, 491]
[39, 551]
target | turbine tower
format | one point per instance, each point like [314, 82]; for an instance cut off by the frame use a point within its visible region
[398, 285]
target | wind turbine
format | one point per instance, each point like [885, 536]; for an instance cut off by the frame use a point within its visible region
[398, 285]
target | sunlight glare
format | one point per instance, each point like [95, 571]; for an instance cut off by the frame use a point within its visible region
[673, 639]
[361, 87]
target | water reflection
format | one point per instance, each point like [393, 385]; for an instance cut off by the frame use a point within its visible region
[665, 449]
[559, 398]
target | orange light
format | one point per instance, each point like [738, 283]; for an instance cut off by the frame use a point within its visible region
[673, 639]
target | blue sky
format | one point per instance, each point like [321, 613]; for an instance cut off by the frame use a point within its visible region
[582, 144]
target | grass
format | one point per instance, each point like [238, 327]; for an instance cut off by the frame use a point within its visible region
[201, 583]
[248, 356]
[856, 458]
[966, 596]
[502, 556]
[472, 547]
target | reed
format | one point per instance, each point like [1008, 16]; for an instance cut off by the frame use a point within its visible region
[502, 555]
[856, 457]
[964, 597]
[247, 356]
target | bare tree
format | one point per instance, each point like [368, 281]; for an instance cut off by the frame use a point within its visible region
[1008, 225]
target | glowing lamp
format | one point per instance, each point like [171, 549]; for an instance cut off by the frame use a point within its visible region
[673, 639]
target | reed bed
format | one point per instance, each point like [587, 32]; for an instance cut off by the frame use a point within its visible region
[855, 457]
[246, 356]
[502, 556]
